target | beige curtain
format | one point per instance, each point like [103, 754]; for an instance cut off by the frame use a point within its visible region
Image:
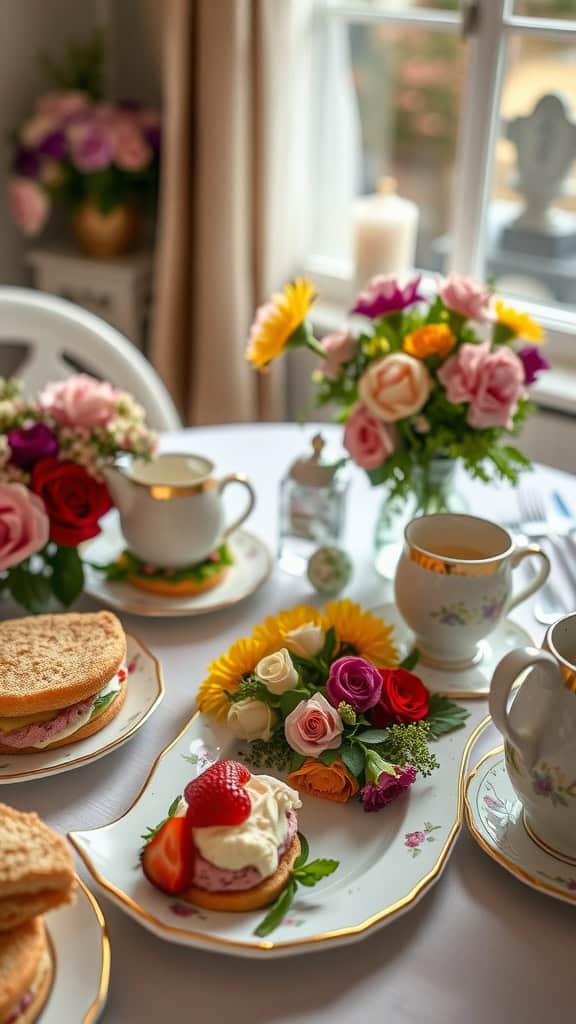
[232, 198]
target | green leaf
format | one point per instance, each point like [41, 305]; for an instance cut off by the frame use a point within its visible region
[278, 910]
[31, 590]
[411, 660]
[296, 761]
[328, 757]
[67, 575]
[304, 851]
[101, 703]
[311, 873]
[444, 716]
[290, 700]
[152, 831]
[353, 758]
[373, 736]
[327, 652]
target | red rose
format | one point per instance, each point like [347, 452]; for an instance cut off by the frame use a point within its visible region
[404, 698]
[73, 499]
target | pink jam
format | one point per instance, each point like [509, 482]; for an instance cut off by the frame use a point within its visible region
[214, 879]
[43, 732]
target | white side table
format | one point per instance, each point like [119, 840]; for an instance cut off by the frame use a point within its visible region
[118, 290]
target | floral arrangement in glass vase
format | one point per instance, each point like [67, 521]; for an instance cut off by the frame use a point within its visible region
[321, 696]
[52, 492]
[428, 382]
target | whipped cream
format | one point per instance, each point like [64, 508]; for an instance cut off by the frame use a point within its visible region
[257, 841]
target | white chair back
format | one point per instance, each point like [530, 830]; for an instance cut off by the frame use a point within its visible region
[61, 338]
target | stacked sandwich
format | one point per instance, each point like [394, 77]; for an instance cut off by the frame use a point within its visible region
[36, 875]
[63, 678]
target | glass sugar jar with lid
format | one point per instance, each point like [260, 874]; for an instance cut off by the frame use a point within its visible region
[312, 506]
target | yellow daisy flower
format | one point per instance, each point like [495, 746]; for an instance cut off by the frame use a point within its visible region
[370, 636]
[277, 320]
[430, 340]
[274, 629]
[521, 325]
[225, 673]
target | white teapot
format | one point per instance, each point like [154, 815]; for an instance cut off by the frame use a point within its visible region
[171, 509]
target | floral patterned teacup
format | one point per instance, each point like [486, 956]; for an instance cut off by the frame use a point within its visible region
[540, 733]
[453, 584]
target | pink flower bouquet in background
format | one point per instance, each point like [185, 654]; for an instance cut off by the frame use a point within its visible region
[52, 493]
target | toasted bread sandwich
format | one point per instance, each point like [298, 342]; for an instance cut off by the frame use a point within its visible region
[25, 972]
[62, 678]
[36, 868]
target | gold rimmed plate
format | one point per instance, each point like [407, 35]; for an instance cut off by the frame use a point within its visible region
[464, 683]
[495, 819]
[388, 861]
[144, 693]
[81, 957]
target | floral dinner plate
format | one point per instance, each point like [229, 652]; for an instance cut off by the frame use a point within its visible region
[81, 953]
[388, 861]
[145, 691]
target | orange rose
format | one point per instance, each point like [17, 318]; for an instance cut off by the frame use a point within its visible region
[329, 782]
[430, 340]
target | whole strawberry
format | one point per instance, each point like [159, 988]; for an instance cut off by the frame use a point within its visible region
[218, 796]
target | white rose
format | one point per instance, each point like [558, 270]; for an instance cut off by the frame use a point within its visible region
[277, 672]
[307, 641]
[251, 719]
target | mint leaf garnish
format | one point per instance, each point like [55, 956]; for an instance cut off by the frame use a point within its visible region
[301, 874]
[278, 910]
[304, 851]
[311, 873]
[152, 831]
[444, 716]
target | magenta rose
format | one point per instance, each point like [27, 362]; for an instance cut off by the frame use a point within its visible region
[313, 726]
[367, 439]
[464, 296]
[339, 349]
[24, 525]
[80, 401]
[533, 362]
[388, 787]
[28, 444]
[355, 681]
[90, 149]
[387, 294]
[29, 205]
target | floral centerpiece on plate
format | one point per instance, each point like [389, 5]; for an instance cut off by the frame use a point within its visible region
[427, 383]
[52, 494]
[321, 696]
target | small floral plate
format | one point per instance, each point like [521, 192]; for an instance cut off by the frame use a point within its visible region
[464, 683]
[388, 860]
[81, 958]
[252, 567]
[145, 691]
[494, 817]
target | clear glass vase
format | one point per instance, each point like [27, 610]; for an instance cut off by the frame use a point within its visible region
[433, 491]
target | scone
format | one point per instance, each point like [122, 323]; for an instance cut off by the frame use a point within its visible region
[232, 844]
[63, 679]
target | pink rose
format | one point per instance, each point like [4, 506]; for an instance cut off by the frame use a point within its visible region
[367, 439]
[339, 349]
[80, 401]
[313, 726]
[90, 149]
[413, 839]
[24, 525]
[29, 205]
[131, 151]
[464, 296]
[395, 386]
[491, 381]
[62, 105]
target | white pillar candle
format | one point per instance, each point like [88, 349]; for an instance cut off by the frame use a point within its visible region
[385, 227]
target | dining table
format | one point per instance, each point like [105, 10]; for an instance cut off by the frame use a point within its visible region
[480, 947]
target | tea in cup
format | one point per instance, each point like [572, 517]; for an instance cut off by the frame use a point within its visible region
[540, 735]
[453, 584]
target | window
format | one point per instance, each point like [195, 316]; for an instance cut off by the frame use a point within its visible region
[440, 95]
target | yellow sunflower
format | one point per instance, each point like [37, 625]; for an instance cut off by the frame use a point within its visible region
[273, 630]
[520, 324]
[277, 320]
[370, 636]
[225, 673]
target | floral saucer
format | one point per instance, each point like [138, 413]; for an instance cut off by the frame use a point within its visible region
[252, 567]
[145, 691]
[81, 955]
[464, 683]
[494, 817]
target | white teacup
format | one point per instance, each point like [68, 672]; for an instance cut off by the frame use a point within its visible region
[171, 508]
[540, 733]
[453, 584]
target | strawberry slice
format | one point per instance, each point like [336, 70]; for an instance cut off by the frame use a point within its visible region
[168, 859]
[218, 796]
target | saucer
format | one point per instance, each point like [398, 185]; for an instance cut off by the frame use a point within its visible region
[81, 954]
[467, 682]
[494, 817]
[252, 567]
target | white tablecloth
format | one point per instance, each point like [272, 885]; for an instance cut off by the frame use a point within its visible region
[480, 948]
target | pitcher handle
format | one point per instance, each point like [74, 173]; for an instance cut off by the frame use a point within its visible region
[505, 675]
[540, 577]
[237, 478]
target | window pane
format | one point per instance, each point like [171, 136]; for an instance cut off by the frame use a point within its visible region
[531, 228]
[388, 105]
[404, 5]
[545, 8]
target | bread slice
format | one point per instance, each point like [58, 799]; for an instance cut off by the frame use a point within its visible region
[36, 868]
[25, 965]
[81, 734]
[48, 662]
[247, 899]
